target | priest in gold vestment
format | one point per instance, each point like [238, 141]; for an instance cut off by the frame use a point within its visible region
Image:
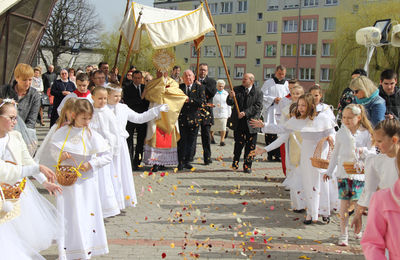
[160, 147]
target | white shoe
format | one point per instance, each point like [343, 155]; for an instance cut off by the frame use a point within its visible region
[358, 236]
[343, 240]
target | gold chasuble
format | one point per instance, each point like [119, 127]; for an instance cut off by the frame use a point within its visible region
[162, 134]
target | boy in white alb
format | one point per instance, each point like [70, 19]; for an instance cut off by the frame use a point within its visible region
[273, 90]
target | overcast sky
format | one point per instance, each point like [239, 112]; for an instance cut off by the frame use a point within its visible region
[112, 11]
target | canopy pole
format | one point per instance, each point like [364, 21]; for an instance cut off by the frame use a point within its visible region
[198, 63]
[131, 47]
[222, 56]
[120, 37]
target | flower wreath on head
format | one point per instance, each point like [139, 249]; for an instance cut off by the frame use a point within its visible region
[163, 60]
[8, 101]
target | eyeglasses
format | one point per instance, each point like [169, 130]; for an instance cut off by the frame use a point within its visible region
[12, 118]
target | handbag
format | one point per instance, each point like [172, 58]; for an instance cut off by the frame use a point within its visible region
[45, 100]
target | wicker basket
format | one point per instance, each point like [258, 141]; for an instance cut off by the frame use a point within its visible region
[13, 191]
[66, 175]
[316, 160]
[349, 168]
[15, 211]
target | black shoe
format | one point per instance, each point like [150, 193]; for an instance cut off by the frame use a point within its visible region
[222, 144]
[307, 222]
[235, 165]
[213, 141]
[299, 210]
[180, 167]
[326, 220]
[187, 166]
[247, 170]
[155, 168]
[208, 162]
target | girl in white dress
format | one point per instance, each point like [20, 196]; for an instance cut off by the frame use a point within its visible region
[84, 233]
[37, 225]
[353, 144]
[312, 128]
[292, 148]
[380, 169]
[105, 123]
[123, 161]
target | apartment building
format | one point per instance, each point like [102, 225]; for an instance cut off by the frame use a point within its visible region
[258, 35]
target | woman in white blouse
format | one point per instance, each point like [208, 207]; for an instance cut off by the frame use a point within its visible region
[221, 112]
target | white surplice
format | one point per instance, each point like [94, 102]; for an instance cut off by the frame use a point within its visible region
[124, 114]
[271, 111]
[84, 233]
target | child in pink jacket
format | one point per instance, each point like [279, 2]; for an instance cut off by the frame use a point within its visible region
[383, 225]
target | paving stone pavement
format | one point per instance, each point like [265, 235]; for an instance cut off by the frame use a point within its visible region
[213, 212]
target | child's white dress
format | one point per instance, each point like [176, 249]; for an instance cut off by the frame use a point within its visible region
[311, 132]
[110, 187]
[123, 161]
[84, 233]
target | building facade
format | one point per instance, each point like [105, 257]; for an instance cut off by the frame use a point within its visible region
[258, 35]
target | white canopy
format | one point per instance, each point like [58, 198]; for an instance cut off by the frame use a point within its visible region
[7, 4]
[165, 28]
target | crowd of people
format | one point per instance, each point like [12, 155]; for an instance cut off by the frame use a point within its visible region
[94, 115]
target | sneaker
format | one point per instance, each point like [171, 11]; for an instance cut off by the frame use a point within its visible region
[358, 236]
[343, 240]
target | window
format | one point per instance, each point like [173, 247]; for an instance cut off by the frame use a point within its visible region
[326, 74]
[331, 2]
[193, 52]
[327, 49]
[242, 7]
[290, 26]
[308, 50]
[289, 50]
[211, 72]
[273, 7]
[307, 74]
[210, 51]
[272, 27]
[330, 24]
[258, 62]
[221, 72]
[226, 7]
[309, 25]
[269, 73]
[241, 28]
[213, 8]
[270, 50]
[226, 50]
[258, 39]
[290, 73]
[225, 28]
[240, 50]
[310, 3]
[259, 16]
[239, 72]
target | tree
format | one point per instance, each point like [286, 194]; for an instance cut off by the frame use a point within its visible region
[142, 60]
[71, 21]
[350, 55]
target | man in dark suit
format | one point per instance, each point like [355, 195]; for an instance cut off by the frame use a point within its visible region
[250, 105]
[210, 89]
[133, 98]
[189, 118]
